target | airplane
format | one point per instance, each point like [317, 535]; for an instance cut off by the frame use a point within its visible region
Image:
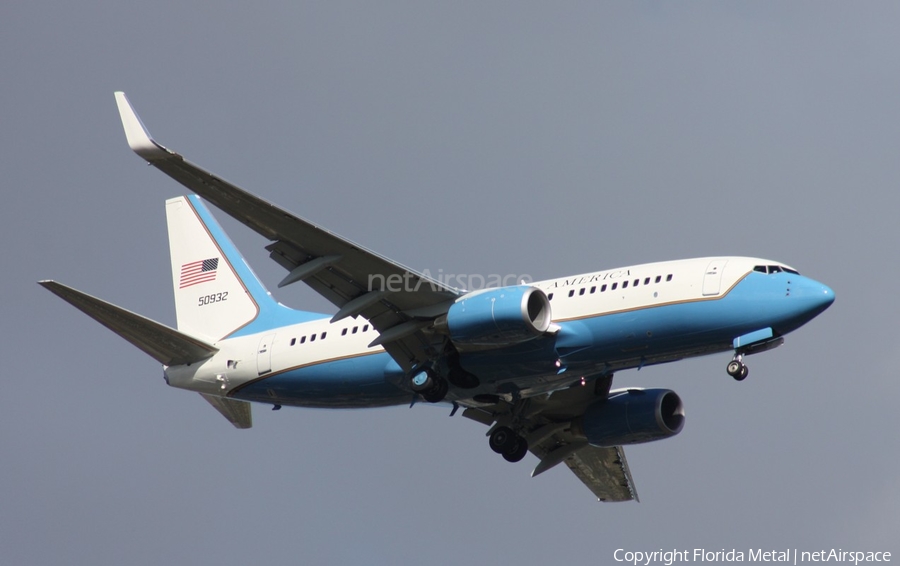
[532, 362]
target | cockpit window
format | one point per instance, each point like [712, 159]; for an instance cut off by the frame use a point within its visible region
[773, 269]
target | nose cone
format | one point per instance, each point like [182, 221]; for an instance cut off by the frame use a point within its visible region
[815, 296]
[827, 296]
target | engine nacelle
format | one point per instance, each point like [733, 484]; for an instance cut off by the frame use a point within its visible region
[633, 416]
[499, 317]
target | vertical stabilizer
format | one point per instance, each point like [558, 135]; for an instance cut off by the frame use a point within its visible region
[211, 300]
[216, 293]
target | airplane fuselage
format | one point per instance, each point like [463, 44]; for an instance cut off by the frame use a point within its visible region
[604, 322]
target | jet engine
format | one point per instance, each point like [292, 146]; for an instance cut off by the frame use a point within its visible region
[498, 317]
[632, 416]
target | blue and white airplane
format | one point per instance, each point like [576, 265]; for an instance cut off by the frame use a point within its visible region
[534, 362]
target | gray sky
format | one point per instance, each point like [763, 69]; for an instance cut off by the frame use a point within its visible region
[475, 138]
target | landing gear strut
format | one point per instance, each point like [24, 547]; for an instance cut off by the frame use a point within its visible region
[510, 445]
[737, 368]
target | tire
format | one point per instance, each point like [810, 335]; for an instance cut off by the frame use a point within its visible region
[518, 451]
[437, 392]
[502, 439]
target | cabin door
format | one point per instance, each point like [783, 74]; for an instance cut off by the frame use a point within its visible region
[264, 354]
[712, 279]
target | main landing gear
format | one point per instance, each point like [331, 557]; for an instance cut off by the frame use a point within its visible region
[432, 387]
[510, 445]
[737, 368]
[433, 384]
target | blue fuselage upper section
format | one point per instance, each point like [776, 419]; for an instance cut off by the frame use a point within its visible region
[592, 344]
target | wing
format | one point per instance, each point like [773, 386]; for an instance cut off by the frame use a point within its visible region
[546, 424]
[399, 302]
[603, 470]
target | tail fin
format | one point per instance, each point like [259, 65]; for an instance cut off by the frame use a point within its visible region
[216, 292]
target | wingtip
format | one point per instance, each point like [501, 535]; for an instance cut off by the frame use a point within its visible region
[54, 286]
[136, 133]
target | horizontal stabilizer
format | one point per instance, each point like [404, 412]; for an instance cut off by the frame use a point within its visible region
[165, 345]
[237, 412]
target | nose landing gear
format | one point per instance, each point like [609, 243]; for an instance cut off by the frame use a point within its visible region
[754, 342]
[737, 368]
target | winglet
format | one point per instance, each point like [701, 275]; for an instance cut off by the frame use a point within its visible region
[139, 139]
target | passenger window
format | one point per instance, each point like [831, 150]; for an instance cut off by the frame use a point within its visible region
[669, 277]
[323, 335]
[366, 328]
[550, 297]
[658, 278]
[593, 289]
[572, 293]
[344, 332]
[355, 328]
[312, 338]
[581, 292]
[293, 341]
[636, 283]
[624, 285]
[614, 285]
[647, 281]
[303, 339]
[603, 288]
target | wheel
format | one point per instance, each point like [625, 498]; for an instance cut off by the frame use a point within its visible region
[437, 392]
[422, 381]
[502, 439]
[736, 369]
[745, 371]
[518, 451]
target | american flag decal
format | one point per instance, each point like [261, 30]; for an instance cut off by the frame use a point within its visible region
[198, 272]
